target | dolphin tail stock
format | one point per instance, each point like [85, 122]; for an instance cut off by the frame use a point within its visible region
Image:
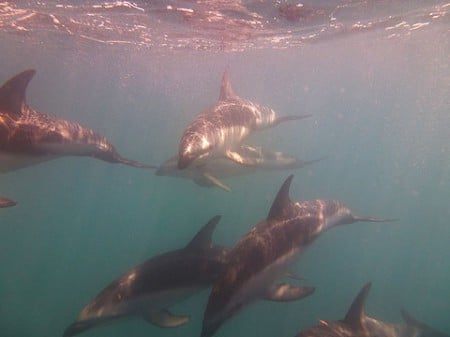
[283, 119]
[425, 330]
[6, 202]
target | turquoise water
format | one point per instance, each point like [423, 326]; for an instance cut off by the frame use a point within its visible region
[380, 113]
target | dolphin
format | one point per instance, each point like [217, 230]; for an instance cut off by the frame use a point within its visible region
[357, 324]
[219, 129]
[149, 288]
[212, 171]
[28, 137]
[266, 253]
[5, 202]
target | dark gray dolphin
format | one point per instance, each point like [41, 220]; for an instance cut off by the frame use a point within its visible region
[5, 202]
[28, 137]
[149, 288]
[357, 324]
[211, 172]
[266, 253]
[219, 129]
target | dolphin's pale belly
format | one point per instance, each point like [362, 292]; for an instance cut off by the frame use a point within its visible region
[10, 161]
[68, 149]
[257, 286]
[136, 305]
[14, 161]
[228, 137]
[382, 329]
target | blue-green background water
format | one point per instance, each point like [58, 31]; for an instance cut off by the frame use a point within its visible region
[380, 113]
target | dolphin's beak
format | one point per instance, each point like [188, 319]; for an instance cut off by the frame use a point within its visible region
[184, 161]
[368, 219]
[283, 119]
[5, 202]
[134, 163]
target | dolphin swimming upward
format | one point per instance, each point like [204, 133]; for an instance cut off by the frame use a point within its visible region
[357, 324]
[218, 130]
[5, 202]
[148, 289]
[212, 171]
[28, 137]
[266, 253]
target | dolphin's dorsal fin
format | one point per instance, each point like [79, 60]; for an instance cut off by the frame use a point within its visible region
[226, 90]
[355, 314]
[12, 93]
[202, 240]
[282, 201]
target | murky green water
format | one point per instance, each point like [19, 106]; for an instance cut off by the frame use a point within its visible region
[380, 113]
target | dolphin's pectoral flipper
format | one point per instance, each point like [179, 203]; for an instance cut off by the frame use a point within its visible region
[284, 292]
[215, 181]
[283, 119]
[236, 157]
[165, 319]
[294, 276]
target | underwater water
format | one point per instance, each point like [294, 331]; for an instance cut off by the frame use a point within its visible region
[380, 114]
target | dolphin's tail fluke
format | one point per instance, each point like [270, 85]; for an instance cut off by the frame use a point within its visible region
[5, 202]
[425, 330]
[289, 118]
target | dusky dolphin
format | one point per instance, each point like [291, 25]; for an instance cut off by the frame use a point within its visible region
[357, 324]
[28, 137]
[266, 253]
[149, 288]
[212, 171]
[219, 129]
[5, 202]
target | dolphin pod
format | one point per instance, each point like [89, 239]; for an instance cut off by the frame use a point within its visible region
[267, 252]
[210, 149]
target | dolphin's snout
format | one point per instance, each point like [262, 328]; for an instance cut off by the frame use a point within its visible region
[184, 161]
